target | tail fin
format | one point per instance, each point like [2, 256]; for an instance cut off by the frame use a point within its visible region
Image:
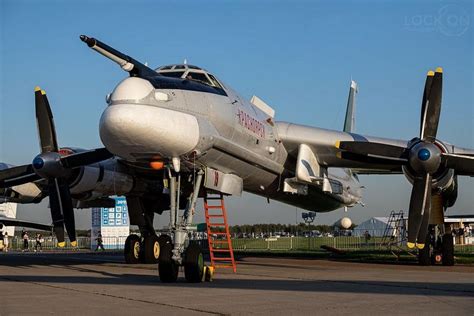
[349, 123]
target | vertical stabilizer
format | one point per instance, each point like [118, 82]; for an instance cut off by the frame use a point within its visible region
[349, 122]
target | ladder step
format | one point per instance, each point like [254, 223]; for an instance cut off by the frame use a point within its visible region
[213, 198]
[215, 216]
[214, 207]
[218, 233]
[220, 250]
[216, 224]
[222, 259]
[220, 241]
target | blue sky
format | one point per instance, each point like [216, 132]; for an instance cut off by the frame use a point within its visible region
[298, 56]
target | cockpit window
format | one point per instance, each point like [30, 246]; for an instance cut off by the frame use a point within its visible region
[198, 76]
[166, 67]
[179, 67]
[173, 74]
[215, 83]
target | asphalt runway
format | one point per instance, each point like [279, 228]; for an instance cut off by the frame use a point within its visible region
[93, 284]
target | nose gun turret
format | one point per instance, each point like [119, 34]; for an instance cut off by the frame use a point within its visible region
[127, 63]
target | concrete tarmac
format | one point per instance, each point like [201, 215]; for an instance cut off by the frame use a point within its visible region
[101, 284]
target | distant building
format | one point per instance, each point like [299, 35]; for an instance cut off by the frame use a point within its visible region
[462, 227]
[375, 226]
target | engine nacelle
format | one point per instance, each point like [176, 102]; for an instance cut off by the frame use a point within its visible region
[101, 179]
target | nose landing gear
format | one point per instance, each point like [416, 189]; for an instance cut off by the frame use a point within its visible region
[180, 252]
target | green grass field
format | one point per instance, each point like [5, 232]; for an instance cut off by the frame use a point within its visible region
[352, 248]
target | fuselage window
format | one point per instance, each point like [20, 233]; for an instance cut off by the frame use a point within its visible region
[173, 74]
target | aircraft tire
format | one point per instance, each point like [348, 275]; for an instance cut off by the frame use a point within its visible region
[167, 268]
[193, 264]
[131, 250]
[164, 239]
[448, 250]
[150, 249]
[424, 255]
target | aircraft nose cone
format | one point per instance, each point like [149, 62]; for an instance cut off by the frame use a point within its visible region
[132, 131]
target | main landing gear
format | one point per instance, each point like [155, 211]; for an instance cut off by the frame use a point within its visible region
[180, 252]
[439, 247]
[144, 250]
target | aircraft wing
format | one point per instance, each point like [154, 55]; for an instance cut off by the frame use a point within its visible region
[17, 222]
[362, 154]
[323, 143]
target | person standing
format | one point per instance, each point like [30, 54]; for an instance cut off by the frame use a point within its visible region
[38, 242]
[5, 242]
[99, 242]
[26, 238]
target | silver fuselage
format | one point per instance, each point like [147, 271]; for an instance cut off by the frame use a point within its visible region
[226, 133]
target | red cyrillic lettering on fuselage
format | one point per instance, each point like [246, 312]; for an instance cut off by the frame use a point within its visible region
[250, 123]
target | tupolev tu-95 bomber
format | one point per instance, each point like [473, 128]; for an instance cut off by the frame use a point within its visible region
[178, 133]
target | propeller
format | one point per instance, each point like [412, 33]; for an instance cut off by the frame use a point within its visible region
[54, 168]
[423, 157]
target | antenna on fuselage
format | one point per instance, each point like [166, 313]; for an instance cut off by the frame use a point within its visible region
[185, 61]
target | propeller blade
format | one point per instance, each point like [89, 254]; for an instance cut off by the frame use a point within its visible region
[432, 107]
[371, 159]
[62, 210]
[373, 149]
[44, 119]
[19, 181]
[462, 164]
[420, 197]
[425, 221]
[15, 172]
[426, 93]
[57, 214]
[85, 158]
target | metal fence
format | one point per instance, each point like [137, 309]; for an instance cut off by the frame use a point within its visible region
[303, 243]
[239, 244]
[50, 243]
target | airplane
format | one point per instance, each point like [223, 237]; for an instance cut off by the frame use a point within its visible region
[8, 220]
[173, 133]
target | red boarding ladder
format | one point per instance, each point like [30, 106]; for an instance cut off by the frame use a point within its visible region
[218, 235]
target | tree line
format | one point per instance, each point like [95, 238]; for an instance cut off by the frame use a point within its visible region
[293, 229]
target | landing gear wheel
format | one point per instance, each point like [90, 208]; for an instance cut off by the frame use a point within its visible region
[167, 268]
[131, 250]
[150, 249]
[193, 264]
[448, 250]
[424, 255]
[164, 239]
